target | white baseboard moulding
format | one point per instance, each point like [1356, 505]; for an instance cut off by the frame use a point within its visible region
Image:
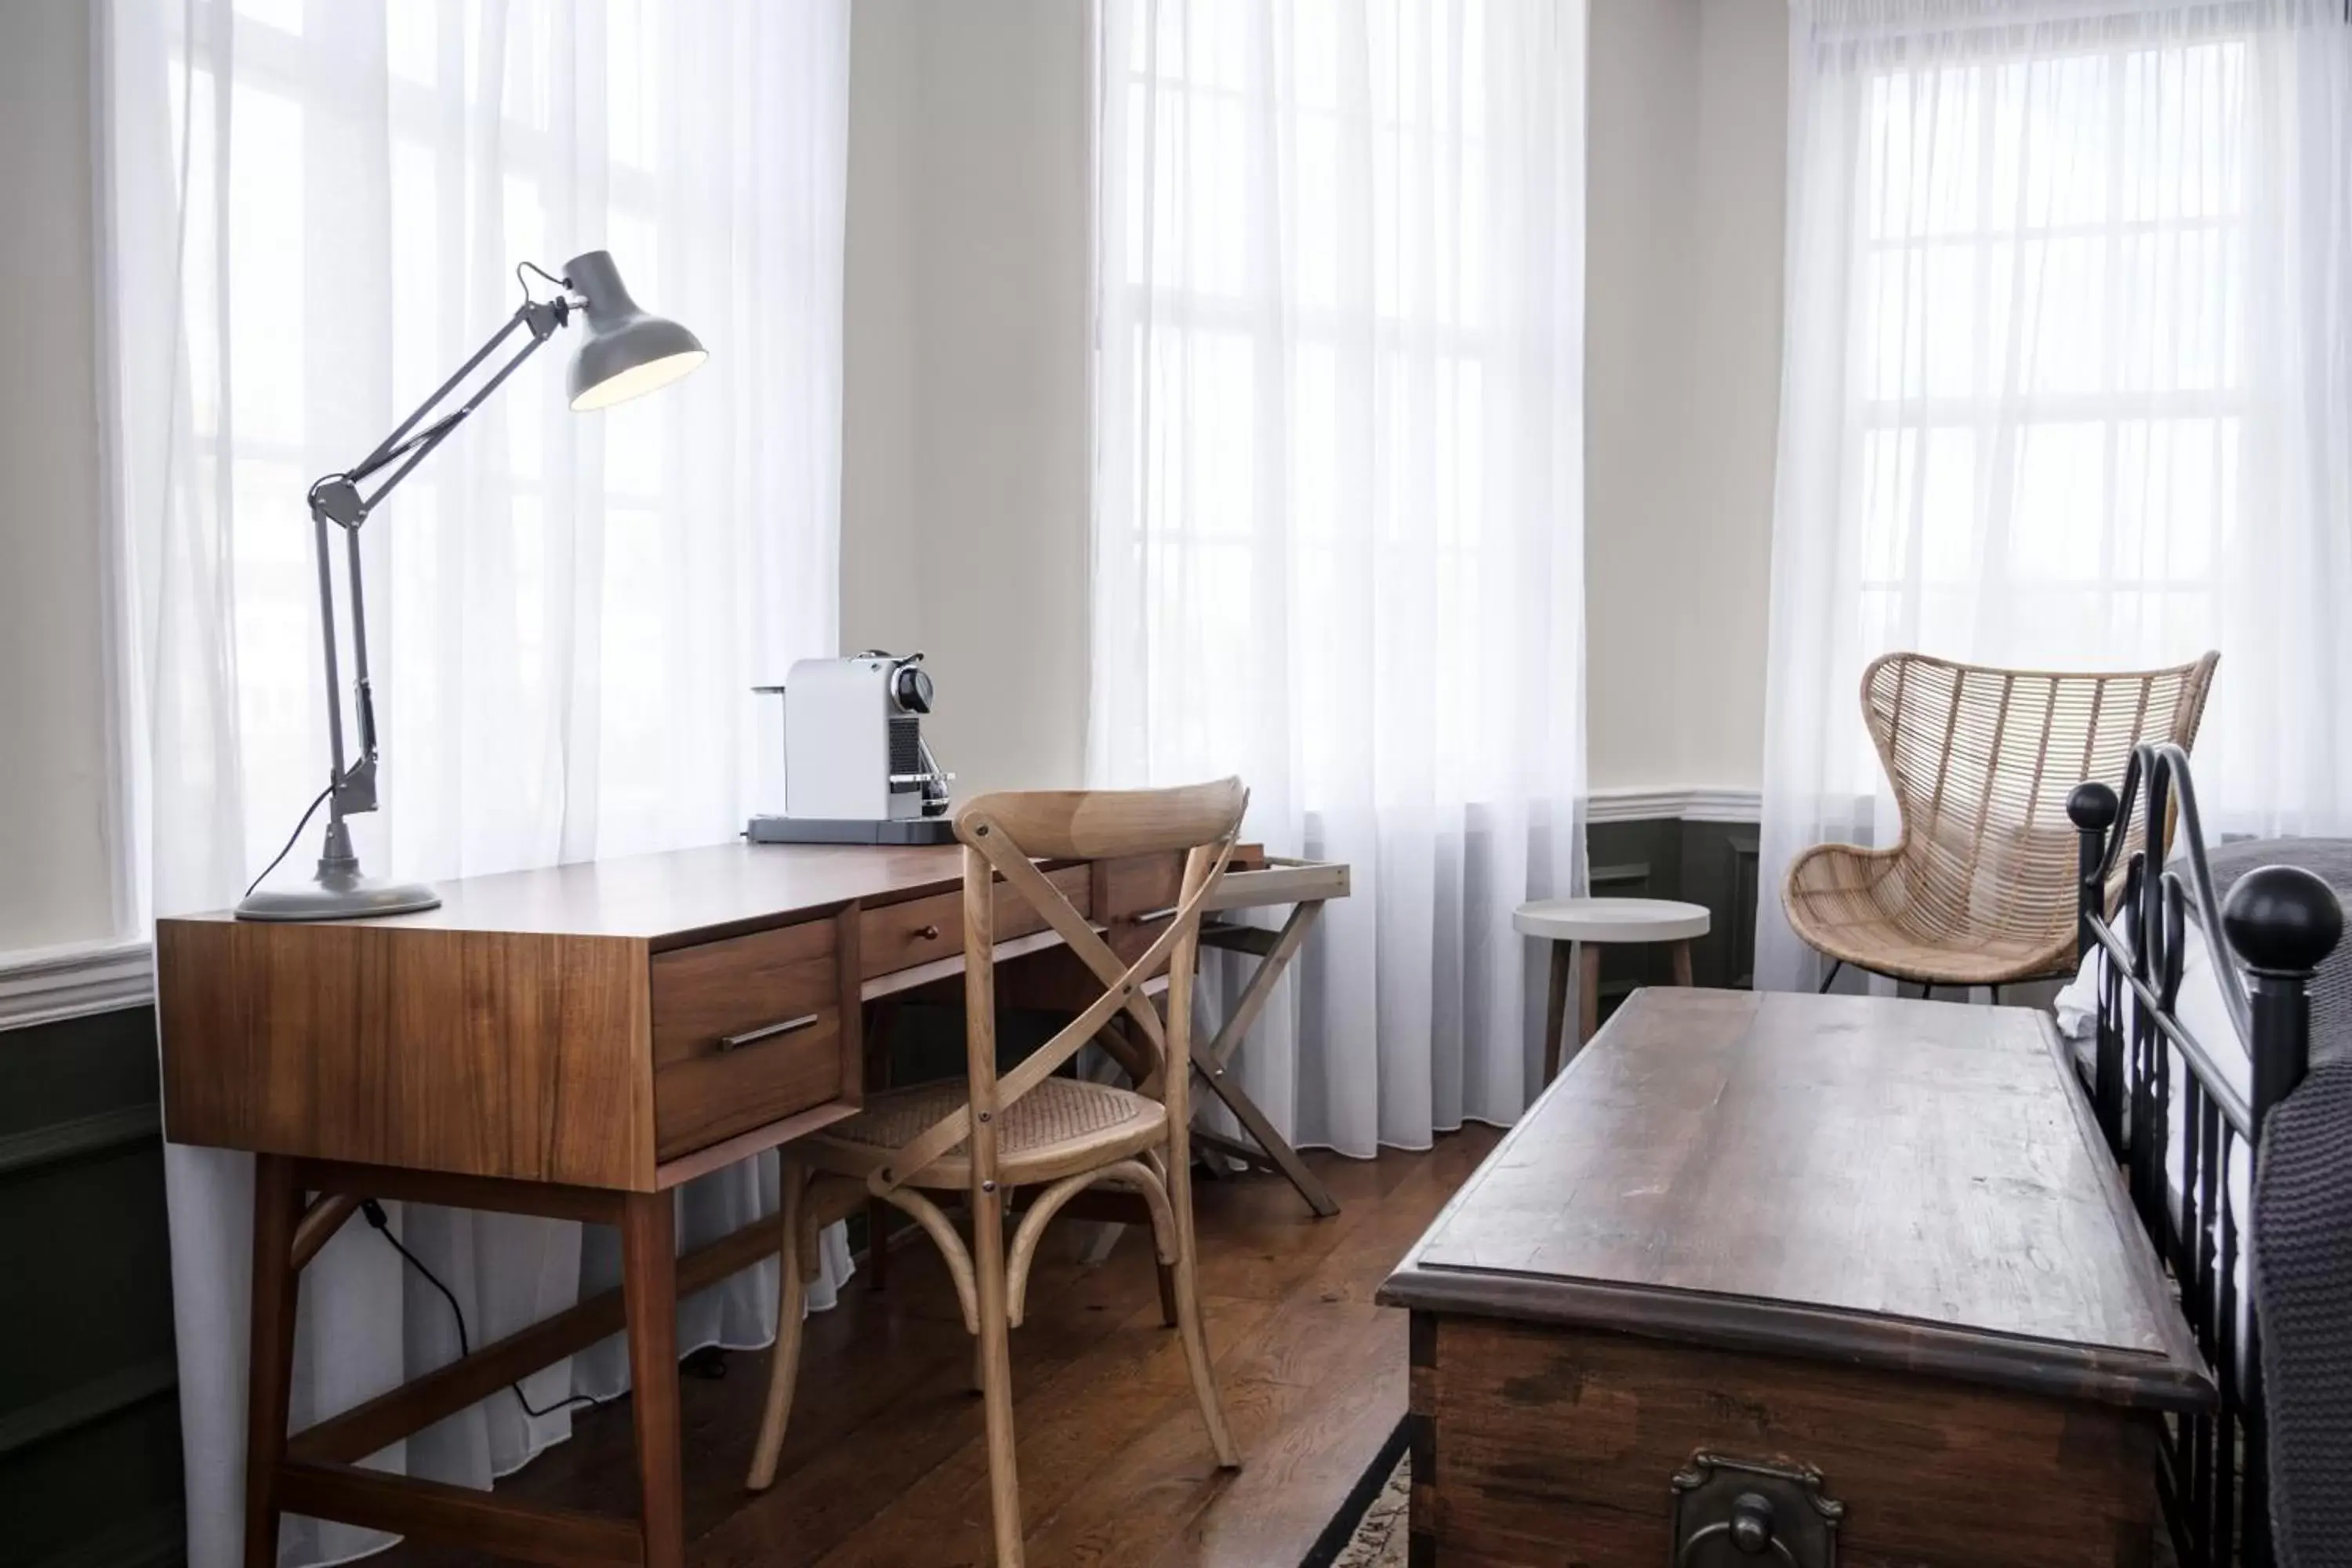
[45, 984]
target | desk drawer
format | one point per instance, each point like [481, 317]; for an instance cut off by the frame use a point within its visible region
[892, 937]
[748, 1030]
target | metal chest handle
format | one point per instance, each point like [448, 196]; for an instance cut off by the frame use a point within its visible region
[1749, 1530]
[1764, 1510]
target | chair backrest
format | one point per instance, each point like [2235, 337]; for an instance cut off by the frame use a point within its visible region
[1000, 834]
[1981, 760]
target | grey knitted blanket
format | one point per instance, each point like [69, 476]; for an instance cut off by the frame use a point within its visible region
[2303, 1288]
[2301, 1248]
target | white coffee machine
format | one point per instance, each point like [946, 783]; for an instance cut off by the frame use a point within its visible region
[856, 767]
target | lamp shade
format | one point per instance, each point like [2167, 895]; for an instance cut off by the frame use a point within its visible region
[627, 353]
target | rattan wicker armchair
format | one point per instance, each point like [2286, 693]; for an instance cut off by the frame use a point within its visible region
[1979, 888]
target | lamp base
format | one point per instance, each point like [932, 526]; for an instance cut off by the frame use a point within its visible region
[337, 896]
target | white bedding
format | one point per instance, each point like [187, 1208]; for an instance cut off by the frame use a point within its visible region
[2202, 1013]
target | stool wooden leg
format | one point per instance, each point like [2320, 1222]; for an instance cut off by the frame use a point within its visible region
[1587, 1012]
[269, 1370]
[1682, 963]
[649, 1294]
[1563, 956]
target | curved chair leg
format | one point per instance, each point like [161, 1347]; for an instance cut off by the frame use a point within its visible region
[936, 1226]
[1188, 1314]
[791, 1297]
[995, 1353]
[1166, 1261]
[1172, 1310]
[1130, 1176]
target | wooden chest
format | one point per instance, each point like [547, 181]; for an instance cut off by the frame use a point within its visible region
[1797, 1281]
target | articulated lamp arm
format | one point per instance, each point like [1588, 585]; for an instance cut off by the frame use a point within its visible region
[337, 499]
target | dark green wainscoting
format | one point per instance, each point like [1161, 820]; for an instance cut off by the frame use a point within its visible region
[90, 1423]
[1709, 863]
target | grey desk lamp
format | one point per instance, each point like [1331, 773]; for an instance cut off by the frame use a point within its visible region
[627, 353]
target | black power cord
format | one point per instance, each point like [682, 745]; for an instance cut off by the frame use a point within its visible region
[316, 802]
[376, 1217]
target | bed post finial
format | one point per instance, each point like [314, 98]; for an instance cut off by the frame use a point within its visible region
[2282, 923]
[2281, 920]
[2093, 808]
[2092, 805]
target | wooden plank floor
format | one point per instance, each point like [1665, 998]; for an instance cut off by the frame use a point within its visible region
[885, 1464]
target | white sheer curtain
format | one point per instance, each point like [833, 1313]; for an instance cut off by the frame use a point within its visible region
[2068, 382]
[1338, 533]
[314, 214]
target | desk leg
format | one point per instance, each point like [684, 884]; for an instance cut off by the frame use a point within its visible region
[881, 1031]
[1245, 1112]
[649, 1289]
[1214, 1057]
[270, 1369]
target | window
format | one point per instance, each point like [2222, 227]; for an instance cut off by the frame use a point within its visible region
[318, 210]
[1305, 268]
[354, 213]
[1339, 499]
[2049, 380]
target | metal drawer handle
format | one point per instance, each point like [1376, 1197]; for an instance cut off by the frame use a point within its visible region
[929, 933]
[766, 1032]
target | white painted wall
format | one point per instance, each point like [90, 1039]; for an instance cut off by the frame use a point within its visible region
[1641, 241]
[1743, 116]
[56, 885]
[1689, 108]
[966, 451]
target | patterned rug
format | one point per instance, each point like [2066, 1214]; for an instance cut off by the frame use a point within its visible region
[1380, 1538]
[1368, 1530]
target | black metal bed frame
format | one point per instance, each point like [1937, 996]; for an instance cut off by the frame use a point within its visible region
[2279, 923]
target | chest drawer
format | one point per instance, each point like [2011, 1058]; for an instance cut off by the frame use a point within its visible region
[750, 1029]
[893, 937]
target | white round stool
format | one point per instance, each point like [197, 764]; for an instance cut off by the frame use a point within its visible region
[1591, 924]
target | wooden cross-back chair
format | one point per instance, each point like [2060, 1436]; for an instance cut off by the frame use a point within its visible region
[1980, 890]
[993, 1131]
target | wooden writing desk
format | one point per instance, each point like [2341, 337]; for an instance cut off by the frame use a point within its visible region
[572, 1042]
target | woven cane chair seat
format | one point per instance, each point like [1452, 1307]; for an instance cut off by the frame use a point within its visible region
[1979, 888]
[1058, 1120]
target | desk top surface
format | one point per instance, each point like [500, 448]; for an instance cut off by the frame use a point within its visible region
[678, 892]
[1872, 1169]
